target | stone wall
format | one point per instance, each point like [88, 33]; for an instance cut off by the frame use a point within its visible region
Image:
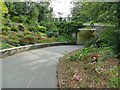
[12, 51]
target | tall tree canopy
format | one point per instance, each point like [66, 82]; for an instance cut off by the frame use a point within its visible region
[3, 7]
[36, 10]
[104, 12]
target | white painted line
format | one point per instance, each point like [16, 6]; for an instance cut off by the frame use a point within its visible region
[29, 83]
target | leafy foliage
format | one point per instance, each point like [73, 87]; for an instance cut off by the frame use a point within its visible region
[104, 12]
[3, 8]
[41, 29]
[114, 82]
[107, 37]
[47, 40]
[32, 29]
[5, 45]
[65, 38]
[14, 28]
[27, 39]
[17, 19]
[88, 54]
[68, 27]
[100, 12]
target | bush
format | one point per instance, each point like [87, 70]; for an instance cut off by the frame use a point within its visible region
[20, 35]
[17, 19]
[42, 35]
[55, 32]
[5, 30]
[47, 40]
[114, 83]
[68, 27]
[28, 21]
[4, 38]
[32, 29]
[14, 28]
[13, 39]
[34, 23]
[21, 27]
[28, 39]
[48, 25]
[8, 22]
[108, 37]
[105, 53]
[65, 38]
[23, 18]
[5, 46]
[14, 42]
[41, 29]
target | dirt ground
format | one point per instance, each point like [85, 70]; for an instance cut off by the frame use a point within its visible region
[82, 74]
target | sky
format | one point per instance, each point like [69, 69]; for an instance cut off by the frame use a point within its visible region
[62, 6]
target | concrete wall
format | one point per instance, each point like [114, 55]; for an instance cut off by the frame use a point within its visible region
[84, 36]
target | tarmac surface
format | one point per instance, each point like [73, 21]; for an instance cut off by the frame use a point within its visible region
[34, 68]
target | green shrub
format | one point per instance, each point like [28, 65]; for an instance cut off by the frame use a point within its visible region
[14, 28]
[21, 27]
[20, 35]
[80, 55]
[28, 21]
[14, 42]
[5, 46]
[23, 18]
[4, 38]
[48, 25]
[32, 29]
[8, 22]
[65, 38]
[74, 57]
[55, 32]
[41, 29]
[34, 23]
[42, 35]
[109, 37]
[47, 40]
[105, 53]
[114, 82]
[28, 39]
[17, 19]
[27, 33]
[13, 39]
[68, 27]
[5, 30]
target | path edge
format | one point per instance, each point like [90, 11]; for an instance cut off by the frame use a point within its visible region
[12, 51]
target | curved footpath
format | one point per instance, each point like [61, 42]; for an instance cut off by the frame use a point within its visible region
[34, 68]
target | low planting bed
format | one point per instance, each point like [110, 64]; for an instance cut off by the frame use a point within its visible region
[89, 68]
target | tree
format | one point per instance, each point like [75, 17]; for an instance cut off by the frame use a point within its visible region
[101, 12]
[3, 8]
[104, 12]
[36, 10]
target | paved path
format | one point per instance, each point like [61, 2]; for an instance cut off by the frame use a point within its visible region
[33, 69]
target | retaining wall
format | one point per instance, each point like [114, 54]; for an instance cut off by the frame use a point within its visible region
[12, 51]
